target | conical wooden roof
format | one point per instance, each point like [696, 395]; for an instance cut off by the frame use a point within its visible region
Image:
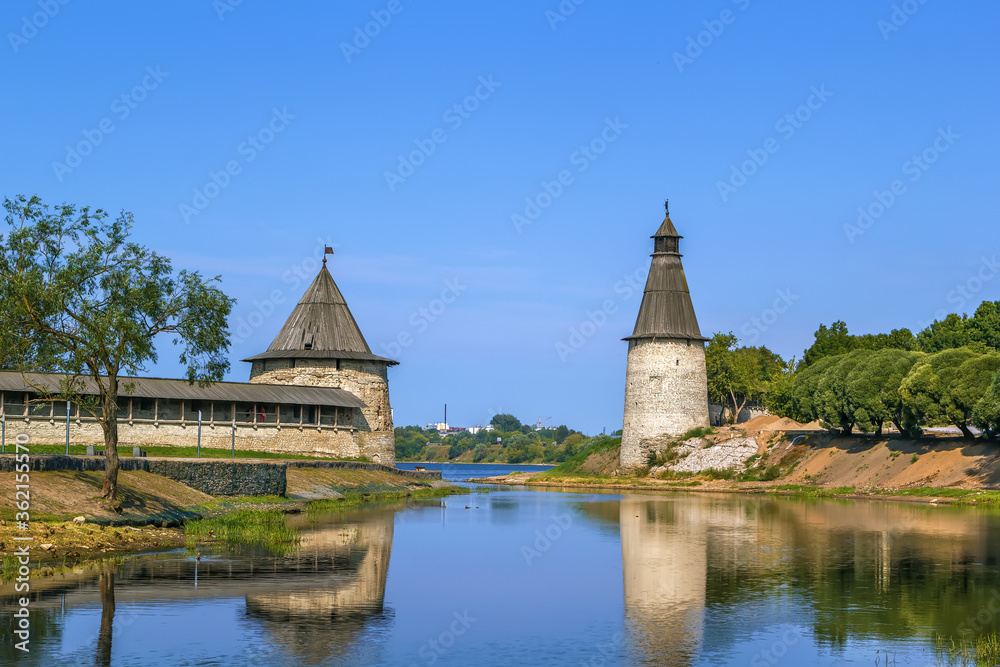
[666, 310]
[667, 226]
[320, 327]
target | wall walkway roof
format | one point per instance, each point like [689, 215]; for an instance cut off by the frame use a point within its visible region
[239, 392]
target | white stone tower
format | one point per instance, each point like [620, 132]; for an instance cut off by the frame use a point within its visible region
[321, 345]
[666, 387]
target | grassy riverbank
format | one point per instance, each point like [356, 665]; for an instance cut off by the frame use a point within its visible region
[154, 509]
[817, 464]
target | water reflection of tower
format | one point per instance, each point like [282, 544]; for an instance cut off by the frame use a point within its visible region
[344, 565]
[664, 552]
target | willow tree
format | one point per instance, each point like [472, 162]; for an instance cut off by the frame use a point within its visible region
[928, 389]
[74, 286]
[873, 388]
[986, 414]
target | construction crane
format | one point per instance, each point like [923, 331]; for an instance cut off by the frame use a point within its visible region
[540, 422]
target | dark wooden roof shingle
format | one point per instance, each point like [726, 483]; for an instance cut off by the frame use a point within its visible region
[666, 310]
[320, 327]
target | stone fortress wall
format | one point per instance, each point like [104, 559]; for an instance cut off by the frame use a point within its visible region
[372, 430]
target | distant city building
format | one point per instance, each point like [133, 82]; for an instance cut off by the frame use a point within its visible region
[666, 386]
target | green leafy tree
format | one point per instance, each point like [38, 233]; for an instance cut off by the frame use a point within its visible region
[873, 388]
[972, 382]
[947, 334]
[804, 388]
[778, 399]
[984, 326]
[72, 282]
[833, 398]
[506, 423]
[829, 342]
[928, 389]
[986, 413]
[739, 375]
[561, 433]
[897, 339]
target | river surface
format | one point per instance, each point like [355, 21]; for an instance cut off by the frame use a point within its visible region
[459, 472]
[510, 576]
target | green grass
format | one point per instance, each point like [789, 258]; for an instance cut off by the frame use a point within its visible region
[697, 432]
[814, 491]
[229, 502]
[937, 492]
[171, 451]
[982, 650]
[571, 467]
[246, 527]
[717, 473]
[356, 499]
[963, 496]
[761, 474]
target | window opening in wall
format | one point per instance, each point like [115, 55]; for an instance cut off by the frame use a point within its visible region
[143, 408]
[222, 412]
[289, 414]
[13, 404]
[244, 413]
[170, 409]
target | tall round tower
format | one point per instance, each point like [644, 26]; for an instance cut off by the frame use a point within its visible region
[666, 387]
[322, 346]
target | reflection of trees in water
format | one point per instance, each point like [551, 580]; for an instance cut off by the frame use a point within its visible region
[107, 584]
[863, 569]
[46, 624]
[316, 603]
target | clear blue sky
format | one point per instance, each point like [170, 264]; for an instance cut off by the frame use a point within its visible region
[343, 117]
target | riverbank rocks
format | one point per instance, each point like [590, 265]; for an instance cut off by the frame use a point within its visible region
[720, 456]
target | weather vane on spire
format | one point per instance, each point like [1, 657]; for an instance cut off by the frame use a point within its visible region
[326, 251]
[666, 205]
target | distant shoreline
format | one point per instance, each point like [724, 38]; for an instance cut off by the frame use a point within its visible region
[472, 463]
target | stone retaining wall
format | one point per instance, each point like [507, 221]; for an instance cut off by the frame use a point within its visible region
[217, 477]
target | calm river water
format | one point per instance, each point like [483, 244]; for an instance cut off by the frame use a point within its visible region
[537, 577]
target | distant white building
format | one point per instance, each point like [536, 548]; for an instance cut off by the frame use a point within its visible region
[474, 430]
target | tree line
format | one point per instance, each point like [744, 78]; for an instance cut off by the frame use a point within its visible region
[947, 374]
[519, 443]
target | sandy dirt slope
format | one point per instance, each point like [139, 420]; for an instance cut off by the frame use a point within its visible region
[890, 463]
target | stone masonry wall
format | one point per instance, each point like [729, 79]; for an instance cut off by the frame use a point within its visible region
[368, 380]
[666, 392]
[291, 439]
[216, 477]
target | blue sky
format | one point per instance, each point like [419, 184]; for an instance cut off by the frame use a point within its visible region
[300, 116]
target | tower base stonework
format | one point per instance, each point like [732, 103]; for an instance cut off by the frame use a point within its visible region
[665, 394]
[368, 380]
